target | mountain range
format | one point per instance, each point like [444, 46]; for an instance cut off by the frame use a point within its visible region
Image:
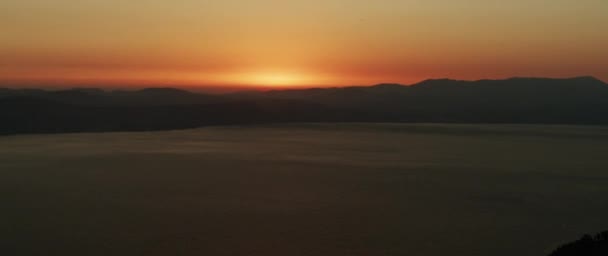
[580, 100]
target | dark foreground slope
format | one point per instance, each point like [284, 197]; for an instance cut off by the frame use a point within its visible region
[580, 100]
[586, 246]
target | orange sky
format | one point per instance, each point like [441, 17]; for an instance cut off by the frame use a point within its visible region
[298, 43]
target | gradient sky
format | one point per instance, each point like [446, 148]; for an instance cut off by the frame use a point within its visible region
[312, 42]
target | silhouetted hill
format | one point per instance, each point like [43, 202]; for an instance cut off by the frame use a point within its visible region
[163, 96]
[35, 115]
[586, 246]
[518, 100]
[582, 100]
[93, 96]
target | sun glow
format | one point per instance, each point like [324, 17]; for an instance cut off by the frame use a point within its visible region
[278, 79]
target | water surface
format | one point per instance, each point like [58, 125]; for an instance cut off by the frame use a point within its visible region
[307, 189]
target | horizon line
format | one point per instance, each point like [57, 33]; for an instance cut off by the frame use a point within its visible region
[124, 85]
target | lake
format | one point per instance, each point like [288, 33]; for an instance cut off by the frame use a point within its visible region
[305, 189]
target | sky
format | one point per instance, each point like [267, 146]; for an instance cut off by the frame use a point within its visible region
[281, 43]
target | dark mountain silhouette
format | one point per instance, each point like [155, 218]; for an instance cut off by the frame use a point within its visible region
[582, 100]
[31, 115]
[94, 96]
[517, 100]
[162, 96]
[586, 246]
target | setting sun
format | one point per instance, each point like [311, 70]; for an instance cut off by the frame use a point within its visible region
[274, 79]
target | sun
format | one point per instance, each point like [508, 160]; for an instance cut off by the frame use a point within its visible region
[277, 79]
[264, 78]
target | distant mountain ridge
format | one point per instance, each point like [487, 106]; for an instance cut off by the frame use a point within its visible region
[580, 100]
